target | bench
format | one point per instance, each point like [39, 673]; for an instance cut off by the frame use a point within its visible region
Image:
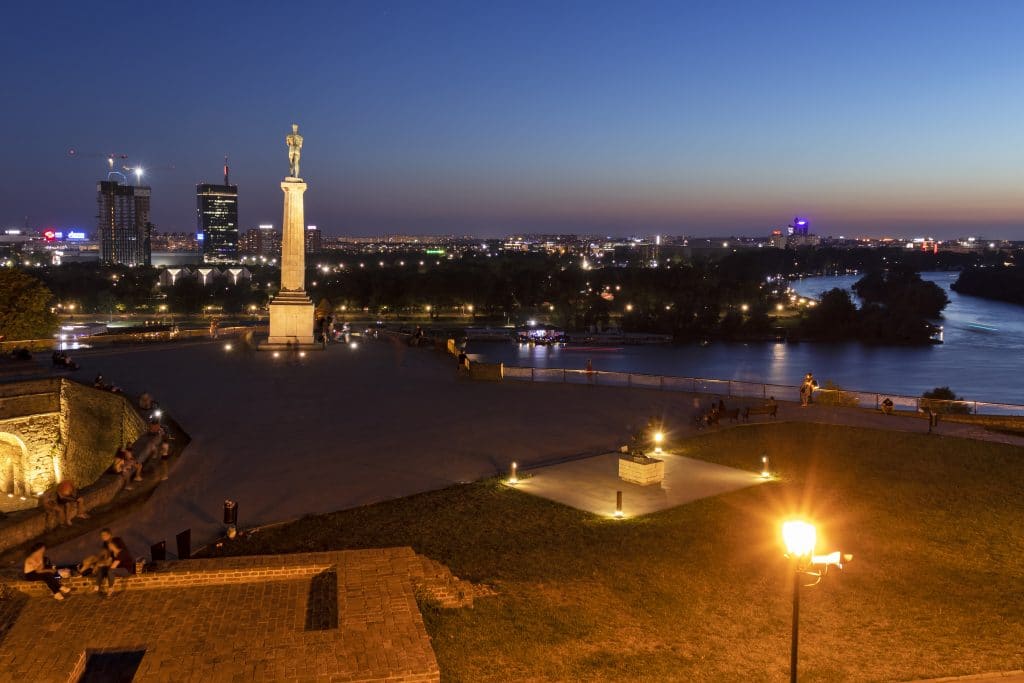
[771, 409]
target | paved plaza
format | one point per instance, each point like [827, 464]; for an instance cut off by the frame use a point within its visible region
[344, 428]
[349, 427]
[591, 484]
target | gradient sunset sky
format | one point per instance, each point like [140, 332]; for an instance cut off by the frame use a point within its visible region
[490, 118]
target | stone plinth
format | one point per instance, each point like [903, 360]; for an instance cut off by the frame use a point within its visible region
[291, 320]
[643, 470]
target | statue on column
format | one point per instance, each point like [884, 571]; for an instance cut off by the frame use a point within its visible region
[294, 151]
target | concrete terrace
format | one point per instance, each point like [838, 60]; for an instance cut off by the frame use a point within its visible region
[351, 427]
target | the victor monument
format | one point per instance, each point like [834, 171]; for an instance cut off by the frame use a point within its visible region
[291, 311]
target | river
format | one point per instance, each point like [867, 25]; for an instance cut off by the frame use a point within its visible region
[982, 364]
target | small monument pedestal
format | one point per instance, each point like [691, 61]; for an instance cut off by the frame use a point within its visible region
[291, 311]
[641, 470]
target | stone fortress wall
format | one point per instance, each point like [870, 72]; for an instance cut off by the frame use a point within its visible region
[55, 429]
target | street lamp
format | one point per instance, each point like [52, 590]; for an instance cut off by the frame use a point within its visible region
[799, 537]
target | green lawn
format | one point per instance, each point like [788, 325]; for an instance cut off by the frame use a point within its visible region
[702, 592]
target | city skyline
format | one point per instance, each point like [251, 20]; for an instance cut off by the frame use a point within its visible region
[458, 119]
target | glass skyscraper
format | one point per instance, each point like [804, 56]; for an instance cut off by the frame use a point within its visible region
[217, 209]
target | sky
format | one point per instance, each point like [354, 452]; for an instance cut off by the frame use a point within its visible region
[492, 118]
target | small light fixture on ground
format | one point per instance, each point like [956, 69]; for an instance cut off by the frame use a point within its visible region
[227, 347]
[513, 474]
[302, 354]
[659, 438]
[765, 472]
[618, 505]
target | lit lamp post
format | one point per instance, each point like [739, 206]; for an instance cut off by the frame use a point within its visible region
[799, 537]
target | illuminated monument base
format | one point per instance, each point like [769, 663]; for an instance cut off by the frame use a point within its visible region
[291, 311]
[291, 321]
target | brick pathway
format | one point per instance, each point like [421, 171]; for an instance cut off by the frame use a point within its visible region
[339, 616]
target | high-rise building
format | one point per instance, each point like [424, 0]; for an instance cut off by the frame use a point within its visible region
[217, 220]
[314, 243]
[122, 223]
[262, 241]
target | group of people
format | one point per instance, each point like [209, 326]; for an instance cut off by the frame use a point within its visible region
[710, 416]
[111, 562]
[327, 333]
[62, 361]
[807, 388]
[20, 353]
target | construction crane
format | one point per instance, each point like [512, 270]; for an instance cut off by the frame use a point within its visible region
[116, 164]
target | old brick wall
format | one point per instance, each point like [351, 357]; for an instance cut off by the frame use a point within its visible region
[94, 423]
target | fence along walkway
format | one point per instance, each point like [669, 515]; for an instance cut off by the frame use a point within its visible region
[753, 390]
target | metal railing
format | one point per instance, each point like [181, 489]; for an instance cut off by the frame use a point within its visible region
[756, 390]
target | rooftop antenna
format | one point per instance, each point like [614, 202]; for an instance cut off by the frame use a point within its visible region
[226, 171]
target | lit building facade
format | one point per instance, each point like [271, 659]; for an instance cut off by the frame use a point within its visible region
[122, 223]
[262, 241]
[314, 240]
[217, 221]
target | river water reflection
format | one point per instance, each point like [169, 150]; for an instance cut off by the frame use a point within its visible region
[982, 358]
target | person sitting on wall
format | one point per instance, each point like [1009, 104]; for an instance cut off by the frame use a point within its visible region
[36, 568]
[122, 565]
[64, 501]
[128, 467]
[145, 401]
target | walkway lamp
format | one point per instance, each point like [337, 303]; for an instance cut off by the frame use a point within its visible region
[799, 537]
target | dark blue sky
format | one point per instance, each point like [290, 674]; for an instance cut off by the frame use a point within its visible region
[628, 117]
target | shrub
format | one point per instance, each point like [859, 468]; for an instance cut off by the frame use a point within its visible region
[832, 395]
[944, 400]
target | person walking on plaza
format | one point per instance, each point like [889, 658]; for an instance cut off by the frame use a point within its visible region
[36, 569]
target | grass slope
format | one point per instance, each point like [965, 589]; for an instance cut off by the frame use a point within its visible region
[701, 592]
